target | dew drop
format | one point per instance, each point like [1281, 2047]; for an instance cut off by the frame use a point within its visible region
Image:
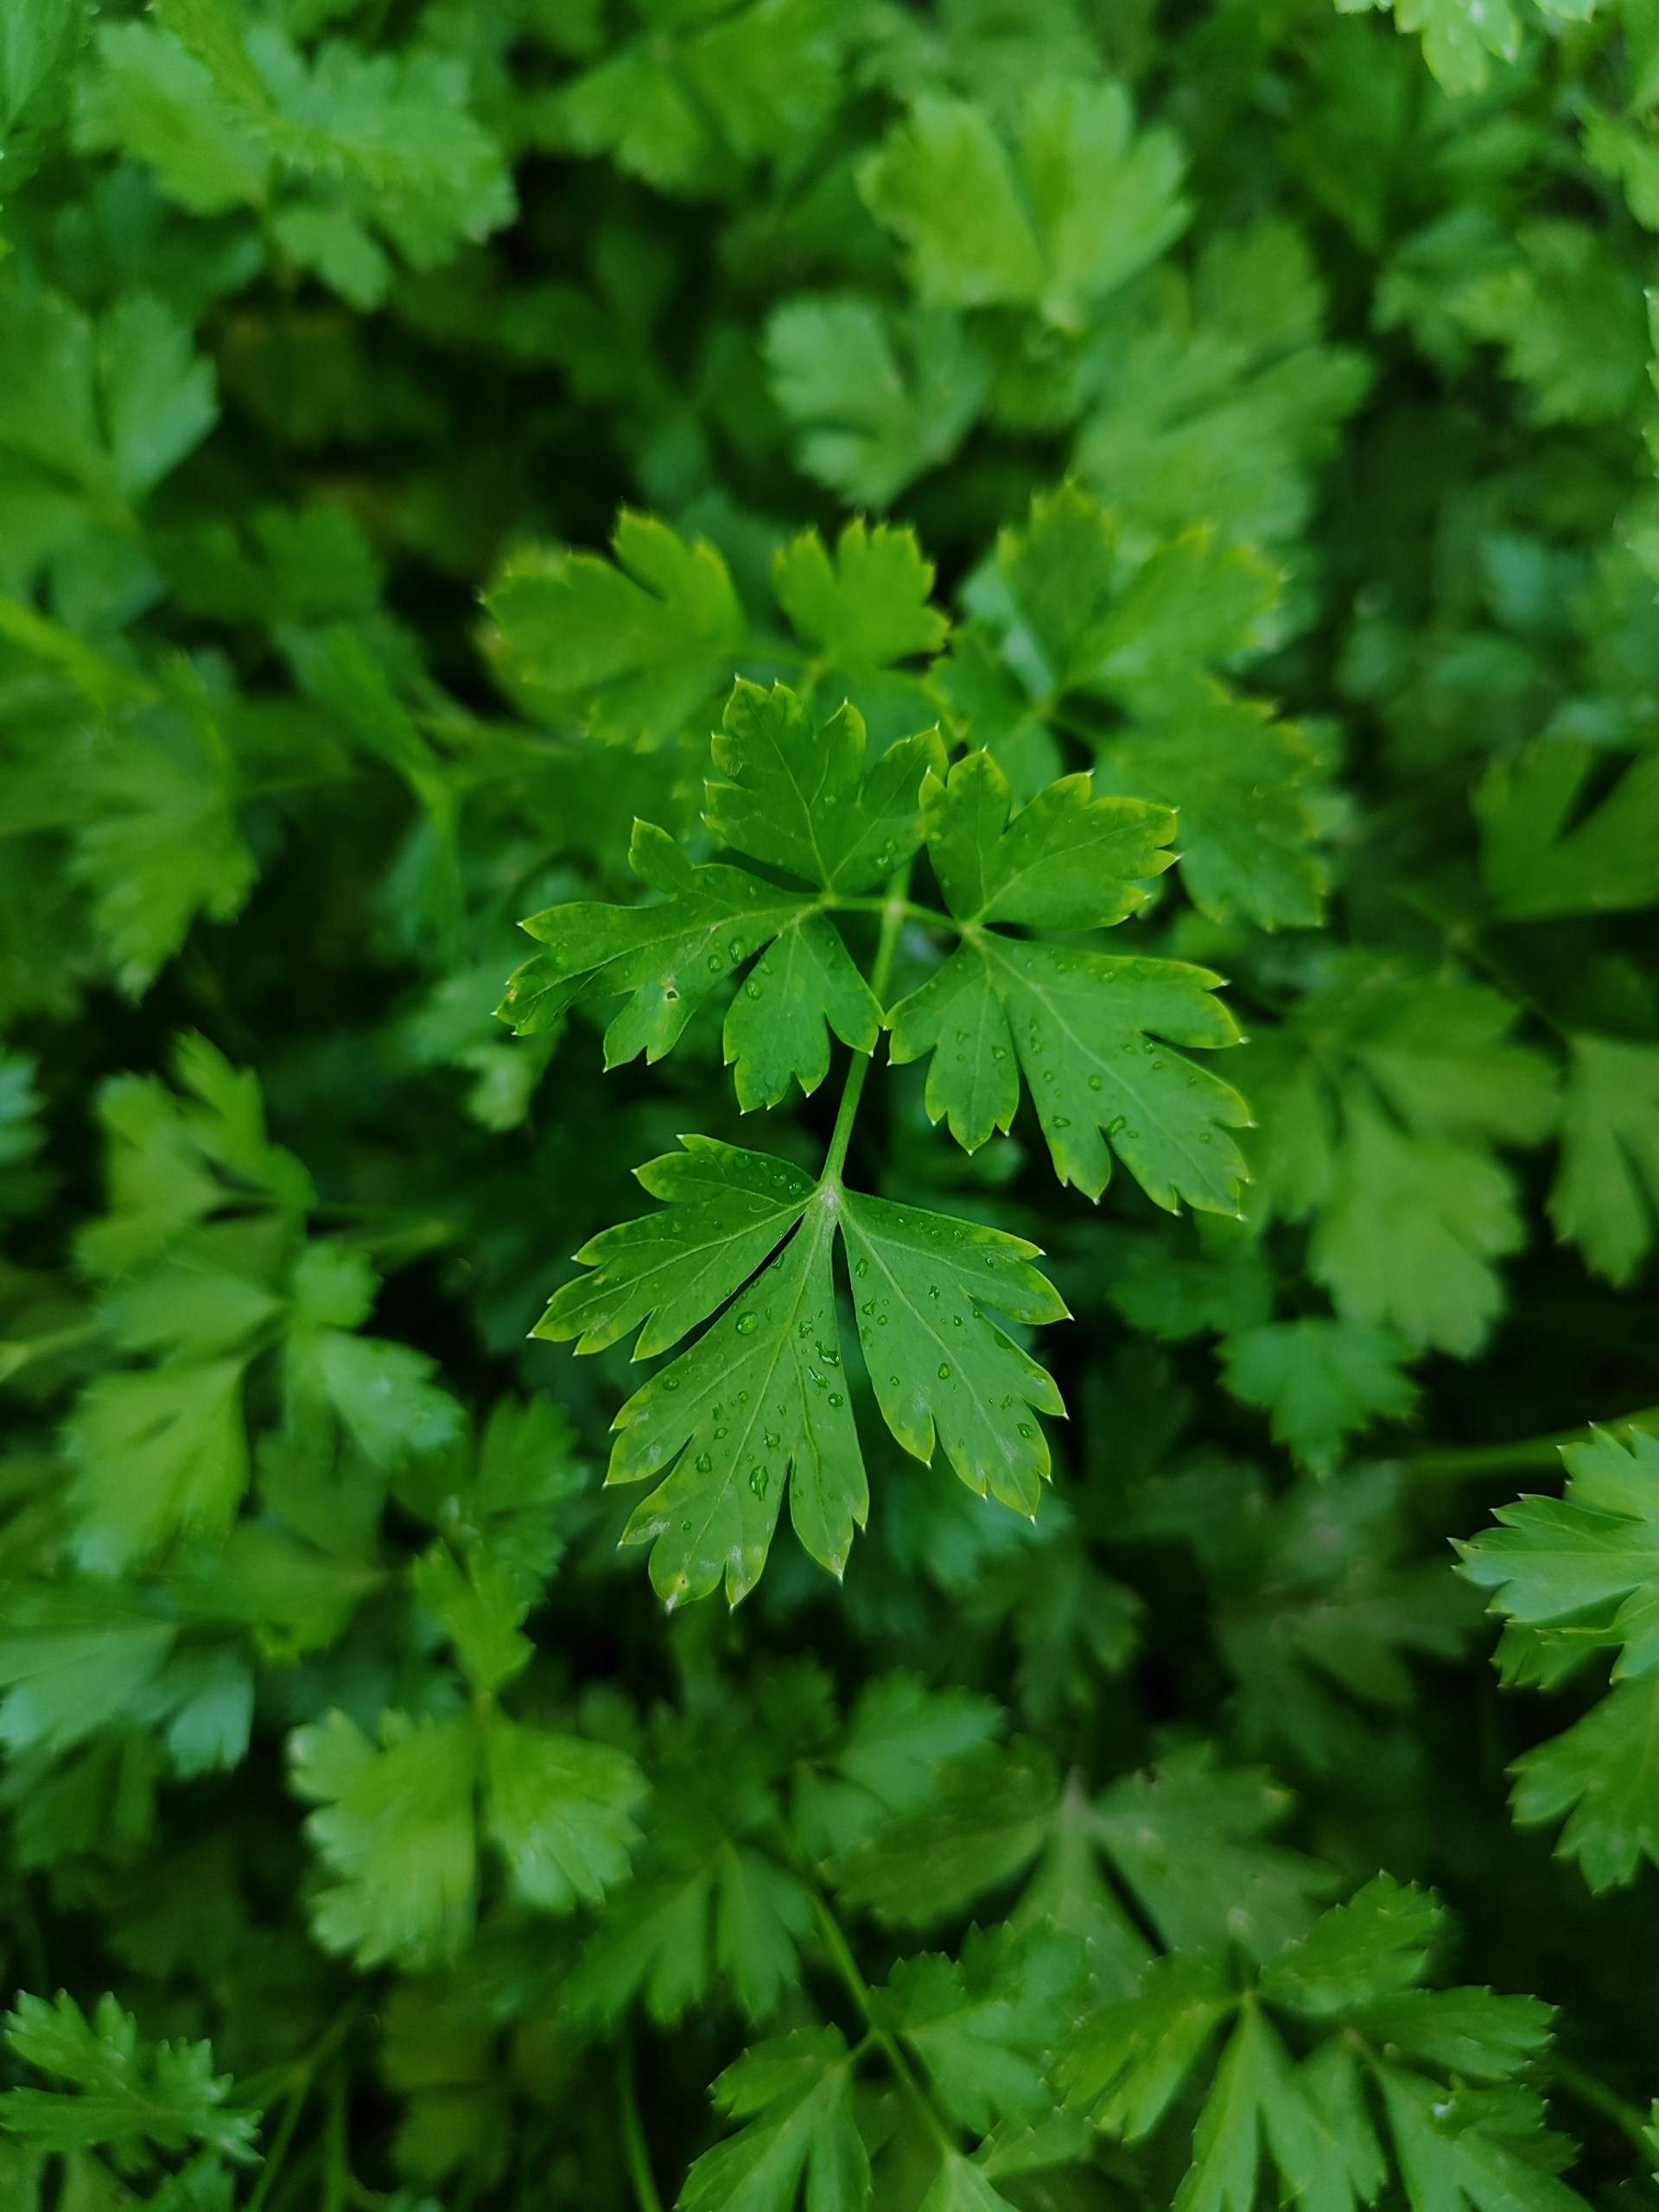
[757, 1480]
[944, 1370]
[671, 1382]
[1094, 1083]
[1026, 1428]
[835, 1398]
[748, 1324]
[716, 964]
[703, 1463]
[1116, 1126]
[829, 1356]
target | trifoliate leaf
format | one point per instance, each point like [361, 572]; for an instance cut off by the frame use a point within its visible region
[131, 2098]
[638, 646]
[797, 799]
[1190, 1843]
[1034, 241]
[1380, 1105]
[1605, 1196]
[761, 1397]
[1543, 854]
[794, 2095]
[805, 800]
[732, 1912]
[1319, 1381]
[878, 396]
[1354, 1976]
[1091, 1032]
[396, 1826]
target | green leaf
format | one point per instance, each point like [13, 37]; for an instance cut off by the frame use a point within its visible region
[179, 1157]
[1605, 1196]
[665, 1273]
[794, 2095]
[878, 396]
[1545, 852]
[132, 2099]
[161, 843]
[154, 101]
[1129, 2061]
[636, 647]
[697, 96]
[560, 1812]
[1087, 607]
[756, 1407]
[670, 957]
[1382, 1102]
[1376, 1943]
[1241, 782]
[1459, 35]
[1588, 1562]
[1034, 241]
[1086, 1029]
[778, 1027]
[984, 2026]
[110, 408]
[394, 1828]
[158, 1453]
[1355, 1975]
[804, 801]
[798, 799]
[732, 1912]
[938, 1366]
[1319, 1381]
[866, 605]
[1219, 397]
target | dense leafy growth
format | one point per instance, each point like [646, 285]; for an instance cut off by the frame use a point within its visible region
[1008, 652]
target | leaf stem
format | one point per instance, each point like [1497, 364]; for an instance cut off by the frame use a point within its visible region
[635, 2151]
[1589, 2090]
[304, 2075]
[894, 908]
[876, 2037]
[1522, 1455]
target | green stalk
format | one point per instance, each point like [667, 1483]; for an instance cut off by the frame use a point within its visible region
[894, 908]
